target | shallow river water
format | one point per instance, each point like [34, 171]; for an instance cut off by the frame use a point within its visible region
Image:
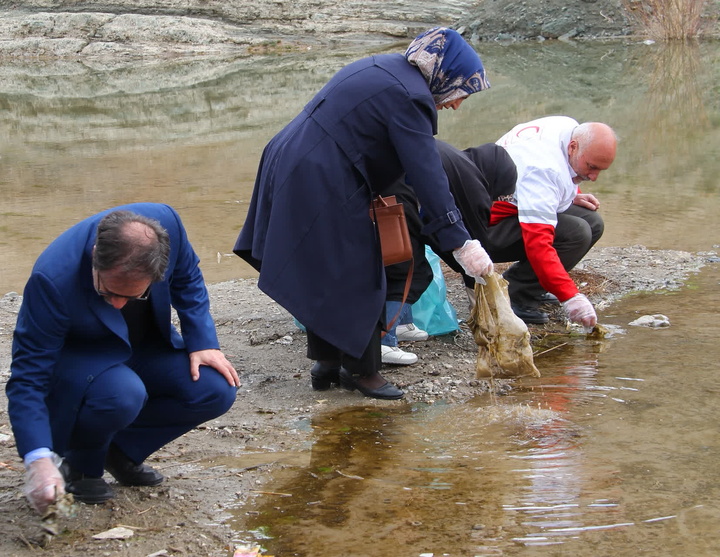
[613, 451]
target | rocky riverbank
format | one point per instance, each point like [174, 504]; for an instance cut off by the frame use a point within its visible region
[129, 28]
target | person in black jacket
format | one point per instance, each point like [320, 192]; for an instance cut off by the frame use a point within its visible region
[481, 179]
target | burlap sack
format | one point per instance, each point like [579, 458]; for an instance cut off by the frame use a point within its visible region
[502, 337]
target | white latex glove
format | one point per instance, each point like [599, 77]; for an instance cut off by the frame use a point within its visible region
[43, 483]
[580, 310]
[474, 260]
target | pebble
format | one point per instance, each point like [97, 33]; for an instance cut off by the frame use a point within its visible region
[652, 321]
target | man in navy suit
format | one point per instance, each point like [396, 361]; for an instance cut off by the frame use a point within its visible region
[100, 378]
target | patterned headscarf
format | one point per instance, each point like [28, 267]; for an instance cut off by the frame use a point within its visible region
[449, 64]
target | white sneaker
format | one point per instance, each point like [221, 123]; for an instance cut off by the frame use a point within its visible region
[410, 332]
[393, 355]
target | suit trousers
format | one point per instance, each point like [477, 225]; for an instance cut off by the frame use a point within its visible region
[577, 230]
[143, 405]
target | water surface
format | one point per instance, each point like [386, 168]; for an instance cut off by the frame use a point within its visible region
[613, 451]
[76, 138]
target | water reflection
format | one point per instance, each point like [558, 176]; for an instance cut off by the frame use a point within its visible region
[510, 476]
[675, 96]
[554, 504]
[611, 452]
[511, 473]
[78, 138]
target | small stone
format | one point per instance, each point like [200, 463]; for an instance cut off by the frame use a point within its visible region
[119, 533]
[652, 321]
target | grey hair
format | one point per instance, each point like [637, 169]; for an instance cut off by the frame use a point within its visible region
[141, 252]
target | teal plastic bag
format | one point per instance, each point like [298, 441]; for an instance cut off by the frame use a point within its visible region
[433, 312]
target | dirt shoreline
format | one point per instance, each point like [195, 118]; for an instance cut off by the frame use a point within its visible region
[222, 464]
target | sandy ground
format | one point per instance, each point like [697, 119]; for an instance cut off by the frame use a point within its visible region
[223, 464]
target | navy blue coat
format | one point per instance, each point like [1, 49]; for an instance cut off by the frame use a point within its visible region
[308, 230]
[67, 335]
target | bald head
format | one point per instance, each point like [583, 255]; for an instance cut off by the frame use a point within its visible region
[591, 150]
[139, 233]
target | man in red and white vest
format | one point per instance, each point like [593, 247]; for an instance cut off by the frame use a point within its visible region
[549, 225]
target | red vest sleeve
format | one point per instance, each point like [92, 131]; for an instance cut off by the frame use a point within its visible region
[538, 240]
[500, 210]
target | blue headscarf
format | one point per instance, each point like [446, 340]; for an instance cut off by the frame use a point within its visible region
[449, 64]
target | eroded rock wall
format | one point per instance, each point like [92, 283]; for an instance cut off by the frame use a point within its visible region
[132, 27]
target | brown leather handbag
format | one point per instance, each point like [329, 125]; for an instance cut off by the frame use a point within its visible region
[392, 228]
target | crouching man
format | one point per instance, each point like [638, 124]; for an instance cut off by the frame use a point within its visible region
[100, 379]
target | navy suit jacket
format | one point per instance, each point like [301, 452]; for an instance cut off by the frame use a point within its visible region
[67, 335]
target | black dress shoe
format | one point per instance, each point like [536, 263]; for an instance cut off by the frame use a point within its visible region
[126, 472]
[530, 315]
[548, 298]
[85, 489]
[323, 376]
[387, 392]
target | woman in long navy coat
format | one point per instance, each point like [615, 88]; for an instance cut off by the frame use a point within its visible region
[308, 230]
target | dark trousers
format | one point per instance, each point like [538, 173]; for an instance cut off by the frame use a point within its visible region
[368, 364]
[143, 405]
[578, 229]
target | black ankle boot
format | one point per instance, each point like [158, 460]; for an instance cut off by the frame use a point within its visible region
[86, 489]
[530, 315]
[126, 472]
[323, 375]
[387, 391]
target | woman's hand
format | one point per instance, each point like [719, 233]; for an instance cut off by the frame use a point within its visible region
[474, 259]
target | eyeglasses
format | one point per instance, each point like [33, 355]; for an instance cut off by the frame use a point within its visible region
[108, 294]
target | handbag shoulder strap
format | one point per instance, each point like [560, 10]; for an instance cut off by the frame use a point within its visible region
[408, 282]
